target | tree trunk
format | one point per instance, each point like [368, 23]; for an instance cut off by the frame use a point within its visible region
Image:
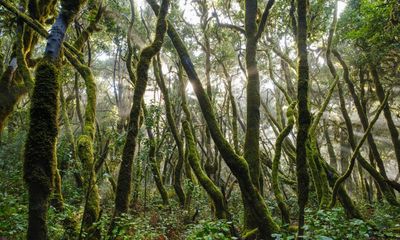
[40, 162]
[219, 202]
[394, 134]
[304, 118]
[175, 133]
[236, 163]
[125, 172]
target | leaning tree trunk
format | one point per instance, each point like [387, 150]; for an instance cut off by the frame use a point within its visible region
[220, 205]
[85, 151]
[152, 158]
[40, 162]
[236, 163]
[125, 173]
[177, 183]
[394, 134]
[275, 166]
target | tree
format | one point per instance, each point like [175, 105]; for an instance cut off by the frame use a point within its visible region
[40, 162]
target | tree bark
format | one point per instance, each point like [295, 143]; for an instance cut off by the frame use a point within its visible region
[236, 163]
[304, 118]
[394, 134]
[40, 162]
[174, 130]
[125, 173]
[219, 202]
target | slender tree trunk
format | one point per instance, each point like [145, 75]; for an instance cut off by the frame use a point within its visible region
[125, 172]
[394, 134]
[175, 133]
[304, 118]
[275, 167]
[331, 151]
[152, 159]
[219, 202]
[251, 150]
[361, 114]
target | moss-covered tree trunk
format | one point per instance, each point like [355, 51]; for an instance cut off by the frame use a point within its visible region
[251, 151]
[125, 173]
[236, 163]
[220, 205]
[233, 107]
[71, 139]
[9, 94]
[303, 118]
[40, 162]
[85, 151]
[275, 167]
[154, 166]
[331, 151]
[175, 134]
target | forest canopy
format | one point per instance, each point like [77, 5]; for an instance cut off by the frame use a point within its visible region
[199, 119]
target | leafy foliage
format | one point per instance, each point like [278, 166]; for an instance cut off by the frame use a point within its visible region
[218, 230]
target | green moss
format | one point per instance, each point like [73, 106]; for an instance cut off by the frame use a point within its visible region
[174, 130]
[304, 117]
[221, 210]
[275, 166]
[125, 173]
[40, 162]
[236, 163]
[92, 198]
